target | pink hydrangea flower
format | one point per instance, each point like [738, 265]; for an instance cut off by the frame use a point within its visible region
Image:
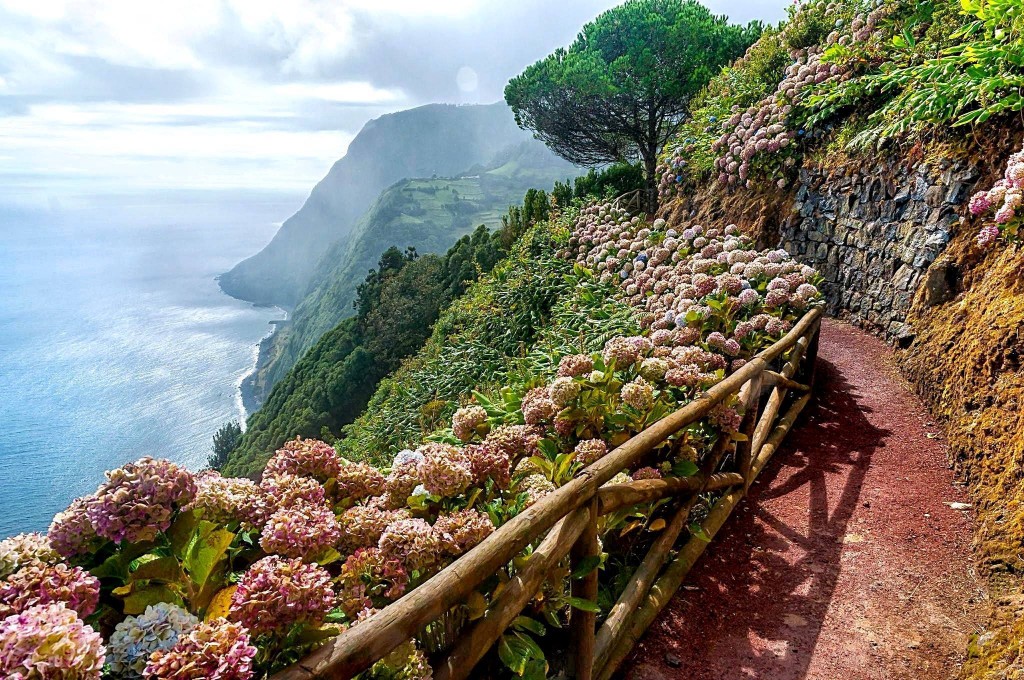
[139, 500]
[281, 491]
[214, 649]
[575, 366]
[39, 583]
[49, 641]
[223, 499]
[370, 578]
[302, 529]
[305, 458]
[488, 461]
[359, 480]
[362, 525]
[537, 406]
[276, 593]
[445, 470]
[413, 543]
[590, 451]
[462, 530]
[468, 421]
[23, 549]
[71, 533]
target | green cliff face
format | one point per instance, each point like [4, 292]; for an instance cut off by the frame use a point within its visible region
[426, 214]
[437, 139]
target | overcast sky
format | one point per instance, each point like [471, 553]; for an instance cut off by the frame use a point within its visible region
[119, 95]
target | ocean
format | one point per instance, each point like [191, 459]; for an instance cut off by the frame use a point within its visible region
[116, 341]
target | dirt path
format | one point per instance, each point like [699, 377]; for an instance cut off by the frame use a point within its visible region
[845, 562]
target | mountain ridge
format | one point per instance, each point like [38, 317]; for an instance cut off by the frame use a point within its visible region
[433, 139]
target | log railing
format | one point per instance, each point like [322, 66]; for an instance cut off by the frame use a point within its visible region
[565, 524]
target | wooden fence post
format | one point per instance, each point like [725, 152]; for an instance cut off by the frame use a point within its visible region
[744, 447]
[582, 622]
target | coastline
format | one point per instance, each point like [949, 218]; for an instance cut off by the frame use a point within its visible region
[247, 385]
[246, 388]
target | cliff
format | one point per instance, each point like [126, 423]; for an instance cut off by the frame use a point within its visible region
[437, 139]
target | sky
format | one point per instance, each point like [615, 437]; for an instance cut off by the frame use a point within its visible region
[138, 95]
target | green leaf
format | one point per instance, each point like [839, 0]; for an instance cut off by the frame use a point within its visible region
[685, 468]
[182, 531]
[137, 602]
[207, 549]
[164, 569]
[118, 565]
[584, 605]
[697, 531]
[532, 625]
[513, 654]
[586, 565]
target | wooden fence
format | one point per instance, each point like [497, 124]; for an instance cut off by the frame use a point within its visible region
[565, 523]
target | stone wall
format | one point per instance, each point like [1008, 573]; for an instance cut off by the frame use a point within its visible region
[873, 231]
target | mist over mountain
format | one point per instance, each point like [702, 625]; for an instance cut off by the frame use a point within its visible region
[436, 139]
[428, 214]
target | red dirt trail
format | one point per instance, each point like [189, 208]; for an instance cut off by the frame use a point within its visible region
[845, 562]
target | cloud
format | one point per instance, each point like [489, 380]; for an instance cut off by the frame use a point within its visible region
[104, 95]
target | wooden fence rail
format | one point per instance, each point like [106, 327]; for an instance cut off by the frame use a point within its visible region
[565, 524]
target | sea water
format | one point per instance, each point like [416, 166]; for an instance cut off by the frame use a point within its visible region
[116, 341]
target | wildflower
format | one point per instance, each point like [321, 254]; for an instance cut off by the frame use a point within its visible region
[361, 526]
[71, 533]
[276, 592]
[590, 451]
[214, 649]
[467, 422]
[138, 500]
[461, 531]
[305, 458]
[38, 583]
[412, 542]
[49, 642]
[574, 366]
[18, 551]
[302, 529]
[368, 577]
[137, 637]
[445, 470]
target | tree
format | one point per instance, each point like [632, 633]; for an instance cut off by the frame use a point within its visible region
[225, 440]
[620, 91]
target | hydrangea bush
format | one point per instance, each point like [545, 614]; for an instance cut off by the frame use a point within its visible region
[200, 575]
[1003, 203]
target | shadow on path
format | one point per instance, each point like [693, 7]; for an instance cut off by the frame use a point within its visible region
[811, 575]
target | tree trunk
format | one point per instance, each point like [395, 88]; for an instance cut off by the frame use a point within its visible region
[650, 183]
